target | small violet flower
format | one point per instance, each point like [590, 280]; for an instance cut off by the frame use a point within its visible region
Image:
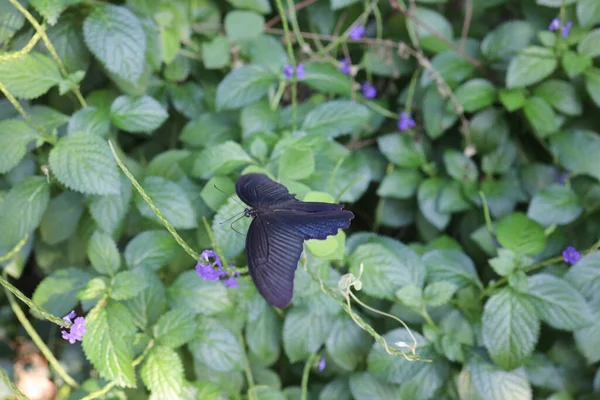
[231, 282]
[570, 255]
[288, 71]
[345, 66]
[322, 364]
[554, 25]
[357, 32]
[206, 269]
[76, 331]
[561, 177]
[300, 71]
[566, 29]
[405, 121]
[369, 91]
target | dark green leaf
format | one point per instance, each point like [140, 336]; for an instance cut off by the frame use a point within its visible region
[555, 204]
[304, 332]
[335, 118]
[531, 65]
[402, 150]
[57, 292]
[460, 167]
[577, 151]
[560, 95]
[61, 217]
[585, 275]
[347, 343]
[450, 266]
[243, 86]
[429, 191]
[170, 199]
[476, 94]
[15, 135]
[400, 184]
[103, 253]
[137, 115]
[218, 347]
[326, 78]
[198, 296]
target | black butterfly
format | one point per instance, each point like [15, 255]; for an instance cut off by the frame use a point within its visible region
[276, 235]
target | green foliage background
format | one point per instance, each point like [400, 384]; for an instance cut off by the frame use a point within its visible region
[460, 223]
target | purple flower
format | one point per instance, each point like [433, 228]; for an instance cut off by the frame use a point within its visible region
[566, 29]
[554, 25]
[300, 71]
[405, 121]
[369, 91]
[206, 269]
[322, 364]
[288, 70]
[230, 282]
[561, 177]
[76, 331]
[207, 254]
[69, 317]
[345, 66]
[570, 255]
[357, 32]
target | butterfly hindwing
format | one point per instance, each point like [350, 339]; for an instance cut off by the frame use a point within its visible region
[273, 250]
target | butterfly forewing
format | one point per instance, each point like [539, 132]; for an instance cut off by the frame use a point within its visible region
[316, 225]
[258, 190]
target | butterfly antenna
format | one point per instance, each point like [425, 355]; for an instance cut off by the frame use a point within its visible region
[236, 231]
[229, 219]
[230, 196]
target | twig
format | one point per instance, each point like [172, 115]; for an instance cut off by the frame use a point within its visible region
[466, 24]
[298, 7]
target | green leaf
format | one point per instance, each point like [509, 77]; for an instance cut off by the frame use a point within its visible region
[531, 65]
[107, 344]
[261, 6]
[21, 210]
[365, 386]
[221, 159]
[506, 40]
[489, 129]
[411, 296]
[577, 151]
[451, 66]
[95, 288]
[217, 347]
[326, 78]
[512, 99]
[575, 64]
[15, 135]
[11, 20]
[215, 54]
[338, 4]
[520, 234]
[382, 60]
[555, 204]
[588, 46]
[347, 344]
[400, 184]
[198, 296]
[216, 198]
[585, 275]
[510, 328]
[137, 114]
[436, 116]
[258, 117]
[337, 389]
[558, 303]
[402, 150]
[163, 373]
[588, 12]
[500, 160]
[151, 249]
[266, 393]
[437, 25]
[109, 210]
[335, 118]
[592, 84]
[304, 332]
[29, 76]
[175, 328]
[541, 116]
[170, 199]
[450, 266]
[231, 243]
[61, 217]
[263, 335]
[560, 95]
[243, 86]
[149, 305]
[56, 293]
[296, 164]
[127, 284]
[241, 26]
[208, 130]
[439, 293]
[506, 262]
[91, 120]
[103, 253]
[493, 383]
[188, 99]
[388, 265]
[85, 164]
[588, 338]
[460, 167]
[116, 37]
[268, 51]
[51, 9]
[428, 194]
[475, 94]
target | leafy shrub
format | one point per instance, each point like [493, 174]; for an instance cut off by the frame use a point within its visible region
[461, 134]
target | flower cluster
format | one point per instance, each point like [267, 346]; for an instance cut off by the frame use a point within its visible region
[369, 91]
[345, 66]
[76, 331]
[406, 121]
[288, 71]
[555, 25]
[570, 255]
[357, 32]
[213, 270]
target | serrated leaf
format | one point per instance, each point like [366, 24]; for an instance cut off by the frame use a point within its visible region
[151, 249]
[558, 303]
[531, 65]
[109, 210]
[335, 118]
[304, 332]
[22, 209]
[15, 135]
[56, 293]
[198, 296]
[217, 347]
[51, 9]
[555, 204]
[175, 328]
[520, 234]
[296, 164]
[221, 159]
[510, 328]
[84, 163]
[588, 338]
[347, 343]
[451, 266]
[505, 263]
[61, 217]
[439, 293]
[127, 284]
[137, 114]
[411, 296]
[170, 199]
[243, 86]
[90, 120]
[258, 117]
[149, 305]
[492, 383]
[29, 76]
[103, 253]
[263, 335]
[163, 373]
[364, 386]
[107, 343]
[116, 37]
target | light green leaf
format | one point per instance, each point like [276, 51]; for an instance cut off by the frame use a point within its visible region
[400, 184]
[198, 296]
[450, 266]
[492, 383]
[109, 210]
[555, 204]
[137, 115]
[512, 99]
[510, 328]
[91, 120]
[411, 296]
[15, 135]
[268, 51]
[520, 234]
[84, 163]
[335, 118]
[558, 303]
[261, 392]
[22, 209]
[107, 343]
[51, 9]
[241, 26]
[57, 292]
[170, 199]
[577, 151]
[258, 117]
[243, 86]
[296, 164]
[588, 12]
[221, 159]
[326, 78]
[475, 94]
[439, 293]
[29, 76]
[575, 64]
[149, 305]
[585, 275]
[451, 66]
[61, 217]
[103, 253]
[428, 195]
[175, 328]
[217, 347]
[304, 332]
[216, 198]
[541, 116]
[127, 284]
[560, 95]
[116, 37]
[94, 289]
[531, 65]
[230, 241]
[163, 373]
[505, 263]
[347, 344]
[402, 150]
[337, 389]
[460, 167]
[151, 249]
[588, 46]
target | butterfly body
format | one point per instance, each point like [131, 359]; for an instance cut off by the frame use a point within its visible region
[281, 223]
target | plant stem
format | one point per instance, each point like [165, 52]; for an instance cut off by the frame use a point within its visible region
[309, 363]
[11, 385]
[290, 52]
